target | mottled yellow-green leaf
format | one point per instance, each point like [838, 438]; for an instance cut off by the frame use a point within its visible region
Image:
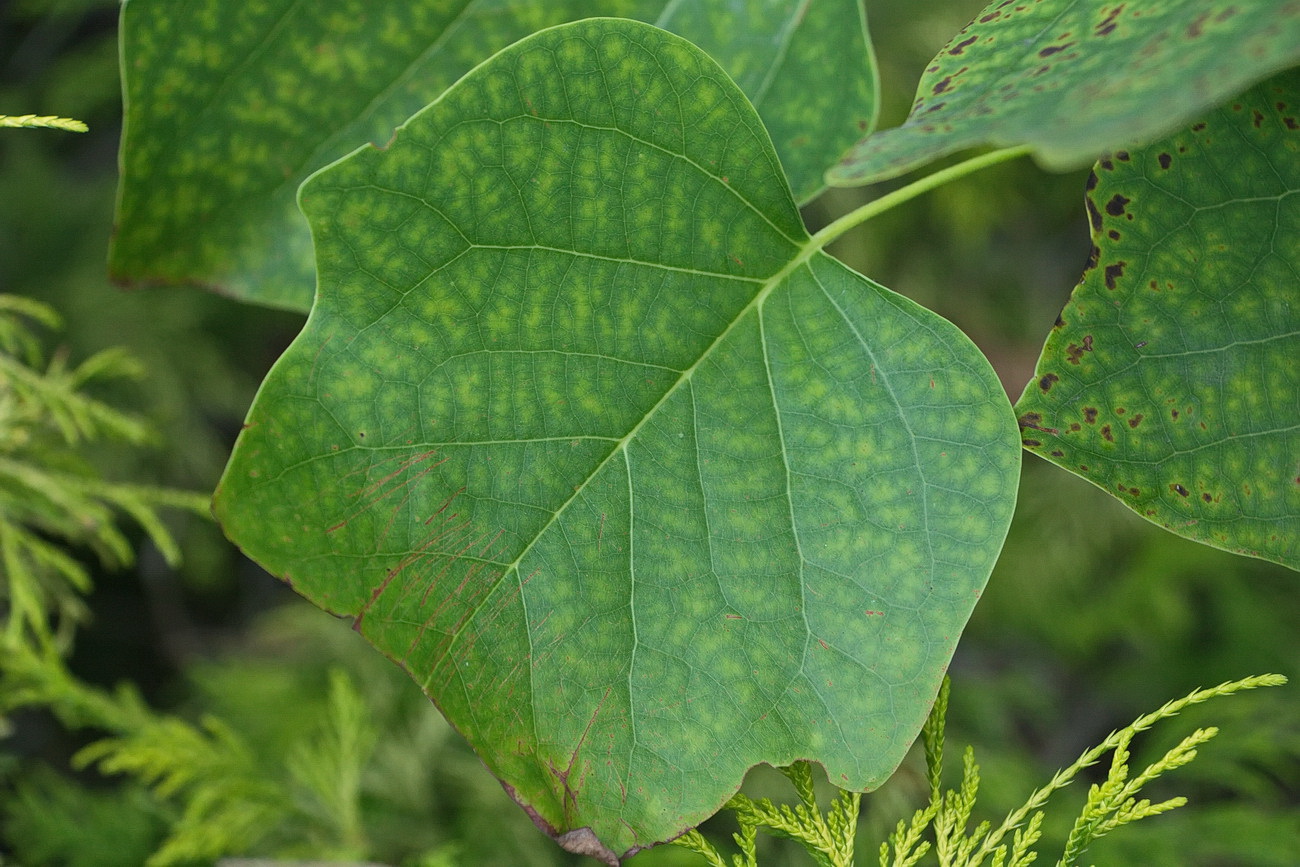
[586, 433]
[229, 106]
[1072, 79]
[1172, 379]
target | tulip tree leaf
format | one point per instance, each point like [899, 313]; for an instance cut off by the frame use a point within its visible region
[230, 106]
[1171, 379]
[587, 434]
[1073, 79]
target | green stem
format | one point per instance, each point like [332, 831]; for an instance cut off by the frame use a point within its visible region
[912, 190]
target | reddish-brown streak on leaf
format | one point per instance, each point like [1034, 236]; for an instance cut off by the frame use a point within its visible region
[1053, 49]
[961, 46]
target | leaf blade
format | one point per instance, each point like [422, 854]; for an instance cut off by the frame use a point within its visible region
[228, 108]
[1073, 80]
[640, 487]
[1170, 381]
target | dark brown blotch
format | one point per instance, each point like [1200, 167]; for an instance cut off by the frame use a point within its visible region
[1090, 414]
[1047, 381]
[1197, 127]
[944, 84]
[1033, 444]
[1087, 343]
[1113, 273]
[1113, 234]
[1115, 207]
[1073, 353]
[1057, 453]
[1178, 489]
[1291, 123]
[1165, 160]
[1174, 414]
[1094, 216]
[1060, 323]
[1257, 118]
[1091, 183]
[1207, 498]
[1075, 426]
[1136, 420]
[1106, 434]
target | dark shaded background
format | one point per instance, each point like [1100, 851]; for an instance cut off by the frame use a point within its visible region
[1092, 617]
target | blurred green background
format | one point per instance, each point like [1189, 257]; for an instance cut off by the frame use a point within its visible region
[1092, 617]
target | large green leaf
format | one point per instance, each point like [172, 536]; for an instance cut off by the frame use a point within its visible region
[229, 106]
[586, 432]
[1172, 378]
[1072, 79]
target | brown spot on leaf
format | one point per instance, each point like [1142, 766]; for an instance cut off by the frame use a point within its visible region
[961, 46]
[1136, 420]
[1174, 414]
[1197, 127]
[1113, 273]
[1165, 160]
[1075, 426]
[1119, 410]
[1122, 156]
[1115, 207]
[1258, 118]
[1106, 434]
[1113, 234]
[1291, 123]
[1207, 498]
[1083, 467]
[1073, 353]
[1178, 489]
[1060, 323]
[1033, 444]
[1092, 181]
[1053, 49]
[1046, 382]
[1057, 453]
[1094, 216]
[1087, 343]
[1090, 414]
[943, 84]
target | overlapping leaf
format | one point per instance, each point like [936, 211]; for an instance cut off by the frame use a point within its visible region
[229, 106]
[584, 431]
[1171, 379]
[1075, 78]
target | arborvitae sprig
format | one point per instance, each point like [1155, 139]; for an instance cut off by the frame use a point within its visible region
[48, 121]
[51, 498]
[946, 819]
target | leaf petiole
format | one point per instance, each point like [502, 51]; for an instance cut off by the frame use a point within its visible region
[903, 194]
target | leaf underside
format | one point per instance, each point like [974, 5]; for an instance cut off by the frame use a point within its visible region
[640, 487]
[1171, 379]
[229, 106]
[1074, 79]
